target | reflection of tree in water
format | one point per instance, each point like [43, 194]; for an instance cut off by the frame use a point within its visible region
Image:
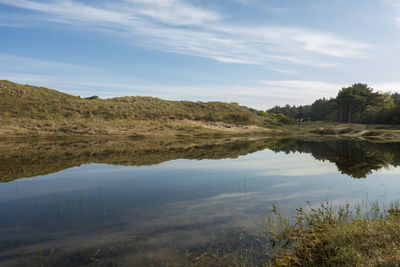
[354, 158]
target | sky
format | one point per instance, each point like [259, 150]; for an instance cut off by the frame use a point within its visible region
[259, 53]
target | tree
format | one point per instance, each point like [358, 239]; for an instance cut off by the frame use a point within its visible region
[352, 101]
[323, 109]
[356, 103]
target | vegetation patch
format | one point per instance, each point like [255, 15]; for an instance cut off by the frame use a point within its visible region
[137, 136]
[339, 237]
[372, 133]
[323, 131]
[345, 130]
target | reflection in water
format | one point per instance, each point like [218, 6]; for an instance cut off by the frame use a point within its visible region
[356, 159]
[108, 214]
[18, 160]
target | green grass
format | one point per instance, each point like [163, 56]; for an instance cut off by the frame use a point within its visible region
[339, 237]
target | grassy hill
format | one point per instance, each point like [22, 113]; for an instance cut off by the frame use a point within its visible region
[27, 109]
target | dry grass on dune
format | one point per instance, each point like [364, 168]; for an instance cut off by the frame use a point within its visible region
[25, 108]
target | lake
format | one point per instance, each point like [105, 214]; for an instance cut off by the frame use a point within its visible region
[108, 202]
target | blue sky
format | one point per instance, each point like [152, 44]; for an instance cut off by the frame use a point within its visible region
[255, 52]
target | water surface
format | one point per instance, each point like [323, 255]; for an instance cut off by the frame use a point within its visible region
[111, 203]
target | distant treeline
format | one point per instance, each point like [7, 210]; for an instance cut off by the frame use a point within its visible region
[355, 104]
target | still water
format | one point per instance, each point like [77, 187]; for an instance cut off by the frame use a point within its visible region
[101, 203]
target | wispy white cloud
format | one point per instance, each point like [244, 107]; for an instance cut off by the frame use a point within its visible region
[70, 10]
[174, 12]
[181, 27]
[18, 62]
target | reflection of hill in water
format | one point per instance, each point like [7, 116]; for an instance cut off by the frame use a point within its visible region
[354, 158]
[19, 160]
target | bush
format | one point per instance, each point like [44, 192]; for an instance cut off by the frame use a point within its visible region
[95, 97]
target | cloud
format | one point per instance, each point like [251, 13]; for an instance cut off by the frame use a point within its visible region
[266, 163]
[301, 92]
[173, 12]
[181, 27]
[70, 10]
[8, 61]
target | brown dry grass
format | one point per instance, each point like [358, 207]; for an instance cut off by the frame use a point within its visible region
[30, 110]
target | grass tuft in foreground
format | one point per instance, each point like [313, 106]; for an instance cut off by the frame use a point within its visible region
[339, 237]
